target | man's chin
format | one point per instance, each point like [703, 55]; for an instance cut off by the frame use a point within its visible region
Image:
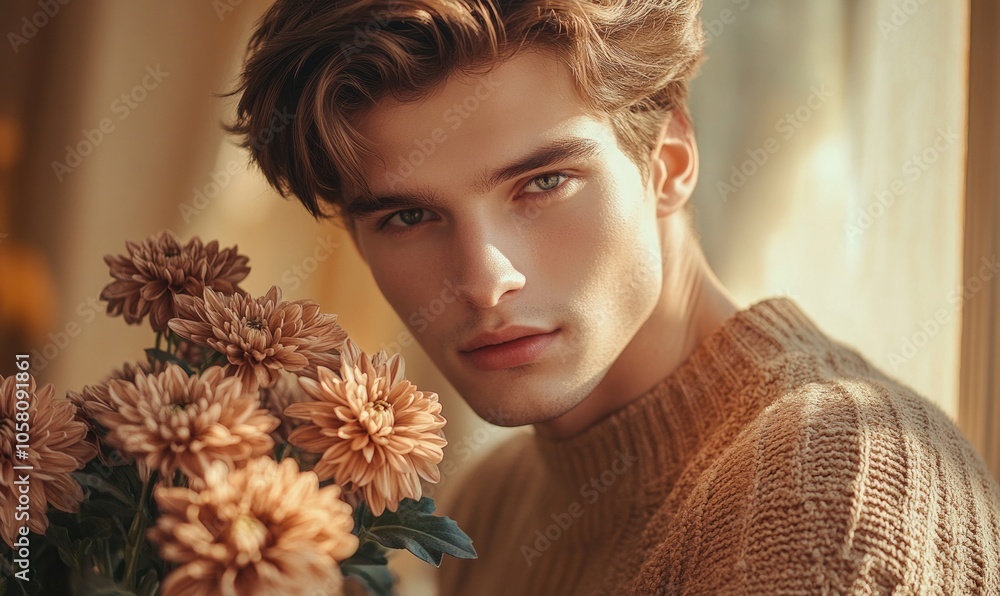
[521, 412]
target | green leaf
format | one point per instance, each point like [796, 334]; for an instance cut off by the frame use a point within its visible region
[414, 527]
[376, 578]
[104, 507]
[368, 565]
[213, 359]
[96, 481]
[59, 537]
[97, 528]
[98, 585]
[159, 355]
[369, 553]
[149, 584]
[6, 568]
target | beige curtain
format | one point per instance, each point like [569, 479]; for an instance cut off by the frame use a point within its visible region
[832, 142]
[115, 100]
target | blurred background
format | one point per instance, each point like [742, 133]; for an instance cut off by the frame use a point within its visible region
[847, 160]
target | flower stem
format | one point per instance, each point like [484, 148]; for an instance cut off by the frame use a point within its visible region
[210, 361]
[136, 532]
[110, 572]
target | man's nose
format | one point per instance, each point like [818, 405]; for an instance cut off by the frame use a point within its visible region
[484, 272]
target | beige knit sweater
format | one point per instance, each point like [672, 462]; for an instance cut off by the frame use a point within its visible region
[773, 460]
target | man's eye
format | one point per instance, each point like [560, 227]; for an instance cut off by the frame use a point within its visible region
[545, 183]
[406, 218]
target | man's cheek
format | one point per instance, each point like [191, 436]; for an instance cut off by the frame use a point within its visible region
[418, 323]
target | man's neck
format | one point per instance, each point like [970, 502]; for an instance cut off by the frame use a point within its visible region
[692, 305]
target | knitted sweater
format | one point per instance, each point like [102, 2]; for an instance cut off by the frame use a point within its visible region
[773, 460]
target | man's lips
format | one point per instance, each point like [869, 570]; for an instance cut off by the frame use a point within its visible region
[506, 334]
[522, 348]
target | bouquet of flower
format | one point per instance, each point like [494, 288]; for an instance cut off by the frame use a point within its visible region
[255, 450]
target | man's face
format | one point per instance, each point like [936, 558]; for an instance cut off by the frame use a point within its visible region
[505, 203]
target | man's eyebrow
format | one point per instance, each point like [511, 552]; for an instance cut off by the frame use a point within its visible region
[546, 155]
[362, 207]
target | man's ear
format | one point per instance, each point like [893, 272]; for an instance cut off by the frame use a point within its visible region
[673, 165]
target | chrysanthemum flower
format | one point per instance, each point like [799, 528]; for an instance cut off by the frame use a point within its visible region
[57, 445]
[260, 337]
[375, 431]
[94, 400]
[147, 280]
[283, 393]
[265, 529]
[172, 421]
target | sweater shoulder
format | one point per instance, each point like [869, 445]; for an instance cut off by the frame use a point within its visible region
[844, 482]
[478, 496]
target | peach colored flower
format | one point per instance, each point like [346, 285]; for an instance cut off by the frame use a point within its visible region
[148, 279]
[283, 393]
[56, 445]
[94, 400]
[172, 421]
[265, 529]
[260, 337]
[375, 431]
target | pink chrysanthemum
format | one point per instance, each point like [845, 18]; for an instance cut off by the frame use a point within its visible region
[172, 421]
[56, 446]
[260, 337]
[377, 433]
[154, 273]
[265, 529]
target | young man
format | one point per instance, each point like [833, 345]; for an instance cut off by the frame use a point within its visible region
[533, 161]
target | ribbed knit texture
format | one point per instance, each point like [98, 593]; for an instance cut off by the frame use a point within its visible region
[773, 460]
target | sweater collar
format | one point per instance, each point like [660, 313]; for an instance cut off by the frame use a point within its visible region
[635, 455]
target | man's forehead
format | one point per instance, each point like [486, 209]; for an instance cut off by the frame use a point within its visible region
[527, 80]
[472, 123]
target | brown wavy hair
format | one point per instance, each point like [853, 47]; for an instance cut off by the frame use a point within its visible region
[313, 68]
